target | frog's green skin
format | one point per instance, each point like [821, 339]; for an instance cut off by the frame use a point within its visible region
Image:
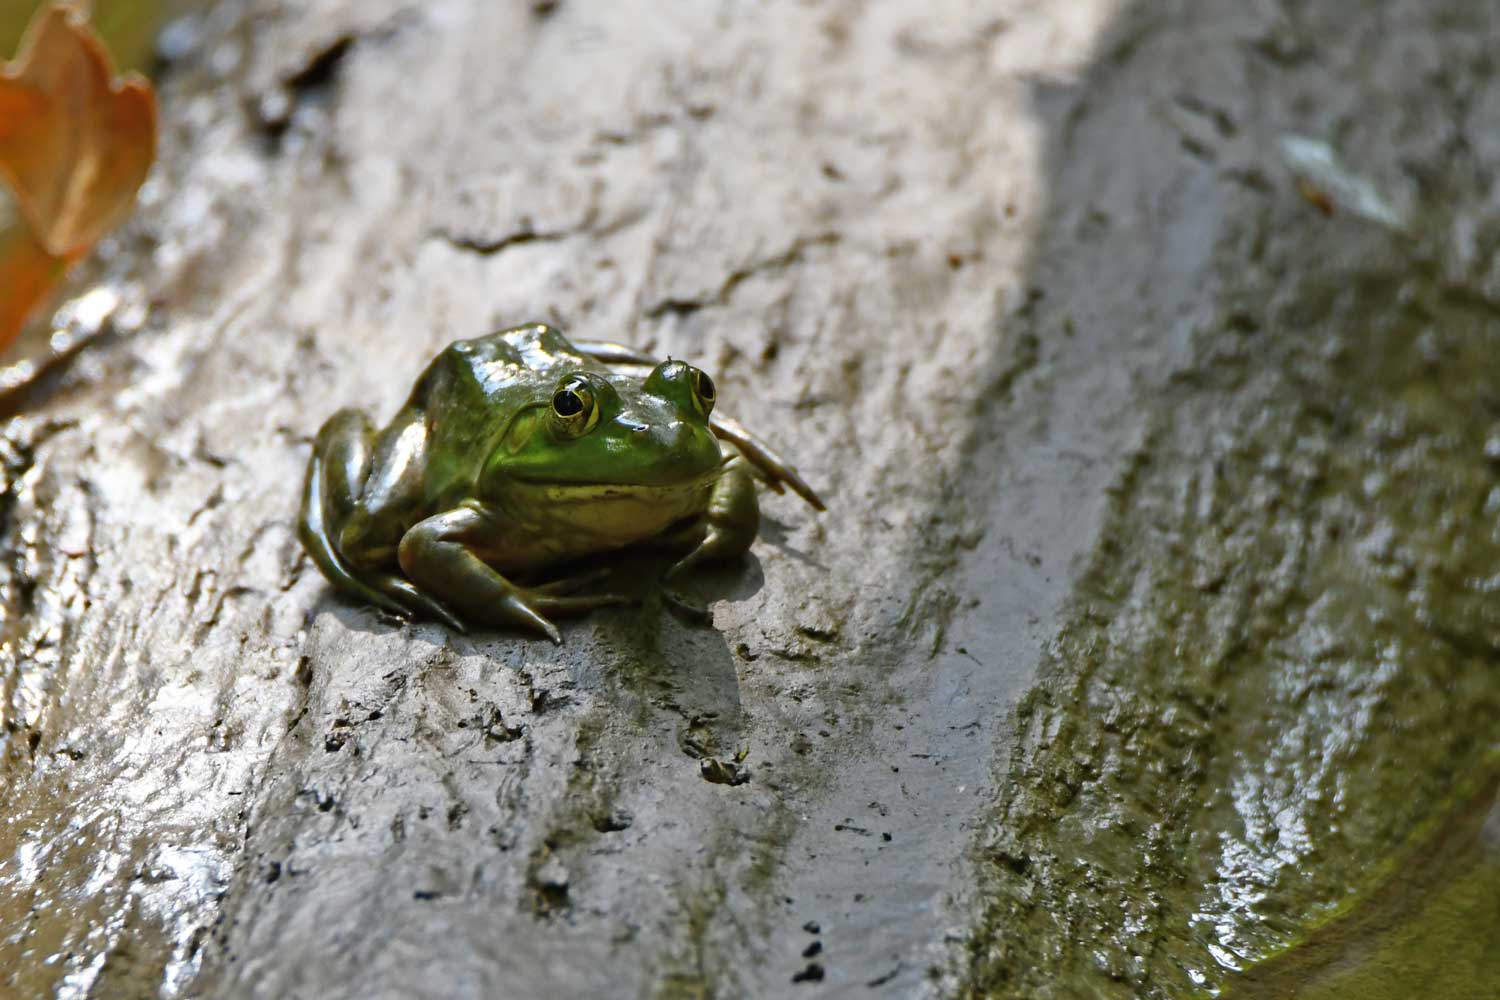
[519, 450]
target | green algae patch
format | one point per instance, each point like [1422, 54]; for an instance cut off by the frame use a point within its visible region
[1431, 927]
[1280, 659]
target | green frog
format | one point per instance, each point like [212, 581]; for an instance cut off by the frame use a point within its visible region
[521, 451]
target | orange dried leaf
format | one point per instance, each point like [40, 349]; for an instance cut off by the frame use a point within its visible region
[75, 141]
[16, 105]
[27, 273]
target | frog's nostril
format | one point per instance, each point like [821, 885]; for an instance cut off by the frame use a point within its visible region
[638, 428]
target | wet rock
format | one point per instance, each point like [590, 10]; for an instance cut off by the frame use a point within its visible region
[1059, 354]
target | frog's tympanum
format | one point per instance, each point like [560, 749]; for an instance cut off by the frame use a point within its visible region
[519, 451]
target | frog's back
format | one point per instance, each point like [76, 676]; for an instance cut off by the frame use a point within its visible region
[492, 365]
[538, 348]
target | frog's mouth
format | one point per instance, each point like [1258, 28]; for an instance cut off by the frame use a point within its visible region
[583, 490]
[563, 492]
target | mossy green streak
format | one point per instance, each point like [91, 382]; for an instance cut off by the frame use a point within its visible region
[1279, 668]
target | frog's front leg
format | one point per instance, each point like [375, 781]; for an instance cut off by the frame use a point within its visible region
[441, 555]
[732, 519]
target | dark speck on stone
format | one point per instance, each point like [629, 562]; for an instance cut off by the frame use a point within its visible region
[812, 974]
[613, 821]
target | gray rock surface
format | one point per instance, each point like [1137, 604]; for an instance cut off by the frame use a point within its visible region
[224, 778]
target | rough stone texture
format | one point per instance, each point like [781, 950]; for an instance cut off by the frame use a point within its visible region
[946, 256]
[220, 774]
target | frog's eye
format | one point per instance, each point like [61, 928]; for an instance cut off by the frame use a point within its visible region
[574, 408]
[703, 392]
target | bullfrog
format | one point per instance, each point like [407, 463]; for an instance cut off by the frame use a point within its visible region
[522, 451]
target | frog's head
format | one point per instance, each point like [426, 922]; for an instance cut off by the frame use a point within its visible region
[594, 439]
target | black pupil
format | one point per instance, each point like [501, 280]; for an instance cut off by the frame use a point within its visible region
[705, 386]
[567, 403]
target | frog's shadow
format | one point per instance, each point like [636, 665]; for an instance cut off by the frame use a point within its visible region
[638, 575]
[731, 581]
[775, 534]
[666, 656]
[657, 650]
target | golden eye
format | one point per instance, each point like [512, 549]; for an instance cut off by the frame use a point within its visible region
[703, 391]
[574, 406]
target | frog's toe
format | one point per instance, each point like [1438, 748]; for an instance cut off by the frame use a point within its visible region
[690, 609]
[571, 584]
[679, 568]
[554, 604]
[531, 607]
[415, 604]
[516, 610]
